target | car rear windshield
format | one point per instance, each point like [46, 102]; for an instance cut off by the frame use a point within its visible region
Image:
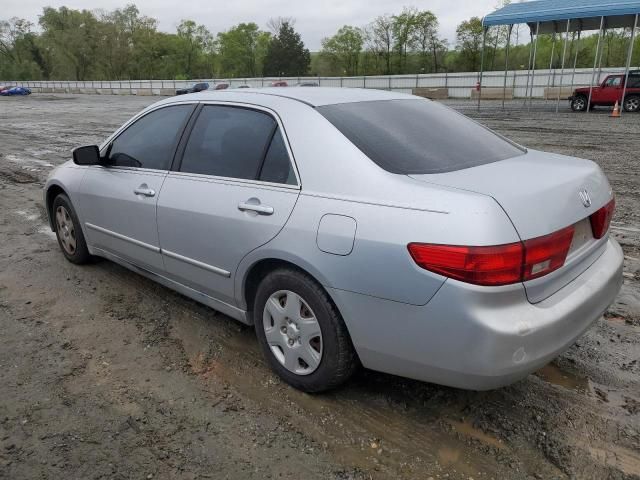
[417, 136]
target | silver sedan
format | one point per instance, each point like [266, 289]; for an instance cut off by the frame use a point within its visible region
[351, 227]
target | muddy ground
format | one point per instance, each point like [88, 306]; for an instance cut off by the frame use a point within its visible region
[104, 374]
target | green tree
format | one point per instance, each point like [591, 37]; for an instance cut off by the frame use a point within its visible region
[402, 28]
[195, 43]
[469, 38]
[426, 41]
[343, 50]
[74, 39]
[123, 32]
[124, 44]
[242, 50]
[286, 54]
[497, 36]
[380, 36]
[18, 50]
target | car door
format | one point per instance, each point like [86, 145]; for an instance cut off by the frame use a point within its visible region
[611, 91]
[232, 192]
[118, 199]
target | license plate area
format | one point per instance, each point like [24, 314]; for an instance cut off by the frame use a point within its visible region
[582, 238]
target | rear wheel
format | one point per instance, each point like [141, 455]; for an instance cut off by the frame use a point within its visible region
[579, 103]
[68, 231]
[302, 333]
[631, 103]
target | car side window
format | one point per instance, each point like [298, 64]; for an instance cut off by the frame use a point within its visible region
[277, 166]
[614, 82]
[228, 142]
[634, 81]
[150, 141]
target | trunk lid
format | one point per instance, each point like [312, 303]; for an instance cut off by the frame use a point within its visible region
[541, 193]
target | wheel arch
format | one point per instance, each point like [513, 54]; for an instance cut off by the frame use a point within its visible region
[259, 268]
[52, 191]
[249, 278]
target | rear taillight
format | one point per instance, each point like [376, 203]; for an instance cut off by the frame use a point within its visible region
[545, 254]
[496, 265]
[499, 265]
[601, 219]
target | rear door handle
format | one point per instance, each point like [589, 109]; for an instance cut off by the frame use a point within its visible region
[252, 207]
[144, 190]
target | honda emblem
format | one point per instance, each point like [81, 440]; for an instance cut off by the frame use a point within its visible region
[584, 196]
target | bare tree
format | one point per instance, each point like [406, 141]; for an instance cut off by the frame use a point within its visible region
[275, 23]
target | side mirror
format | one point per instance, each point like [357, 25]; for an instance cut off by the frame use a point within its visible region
[89, 155]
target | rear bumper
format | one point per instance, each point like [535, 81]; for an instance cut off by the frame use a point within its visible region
[474, 337]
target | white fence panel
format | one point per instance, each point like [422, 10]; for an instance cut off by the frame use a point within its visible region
[459, 85]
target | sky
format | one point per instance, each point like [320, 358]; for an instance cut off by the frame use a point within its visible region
[315, 19]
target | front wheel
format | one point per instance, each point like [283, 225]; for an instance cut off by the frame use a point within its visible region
[579, 103]
[631, 103]
[68, 231]
[302, 333]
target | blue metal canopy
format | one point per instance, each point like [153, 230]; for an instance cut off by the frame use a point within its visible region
[552, 15]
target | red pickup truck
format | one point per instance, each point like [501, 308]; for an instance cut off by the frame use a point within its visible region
[609, 93]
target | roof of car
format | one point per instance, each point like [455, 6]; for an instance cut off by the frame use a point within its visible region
[632, 73]
[315, 97]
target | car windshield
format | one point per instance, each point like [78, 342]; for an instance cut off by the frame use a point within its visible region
[417, 136]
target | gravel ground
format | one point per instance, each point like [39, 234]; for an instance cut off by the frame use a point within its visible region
[104, 374]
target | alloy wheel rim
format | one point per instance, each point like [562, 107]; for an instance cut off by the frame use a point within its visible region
[293, 332]
[579, 104]
[632, 104]
[65, 230]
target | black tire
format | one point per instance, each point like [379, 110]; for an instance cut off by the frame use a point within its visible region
[338, 361]
[631, 103]
[79, 254]
[579, 103]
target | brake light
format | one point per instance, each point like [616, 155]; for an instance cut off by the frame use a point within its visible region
[496, 265]
[545, 254]
[601, 219]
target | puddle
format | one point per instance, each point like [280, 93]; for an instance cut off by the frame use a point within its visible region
[448, 456]
[553, 374]
[616, 319]
[466, 428]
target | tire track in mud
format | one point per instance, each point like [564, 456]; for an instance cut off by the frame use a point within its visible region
[350, 420]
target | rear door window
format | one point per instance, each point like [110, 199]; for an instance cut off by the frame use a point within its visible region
[277, 166]
[228, 142]
[634, 81]
[417, 136]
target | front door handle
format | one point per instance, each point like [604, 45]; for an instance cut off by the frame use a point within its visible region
[252, 207]
[144, 190]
